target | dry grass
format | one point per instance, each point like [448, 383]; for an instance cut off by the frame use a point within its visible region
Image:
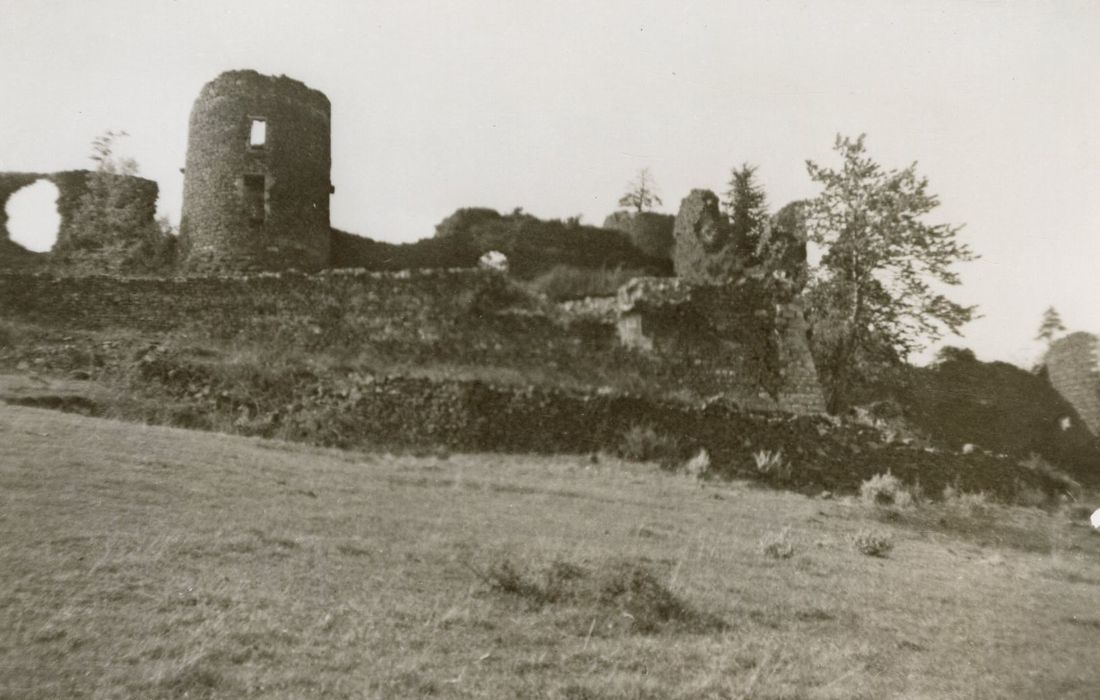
[158, 563]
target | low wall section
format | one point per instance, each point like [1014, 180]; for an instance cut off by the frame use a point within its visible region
[468, 318]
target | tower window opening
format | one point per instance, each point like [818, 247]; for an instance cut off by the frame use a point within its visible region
[255, 197]
[257, 136]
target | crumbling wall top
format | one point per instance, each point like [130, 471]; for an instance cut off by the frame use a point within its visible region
[248, 82]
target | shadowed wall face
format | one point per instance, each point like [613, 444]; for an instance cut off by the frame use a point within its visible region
[256, 185]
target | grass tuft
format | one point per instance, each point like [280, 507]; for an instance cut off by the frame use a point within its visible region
[772, 464]
[778, 545]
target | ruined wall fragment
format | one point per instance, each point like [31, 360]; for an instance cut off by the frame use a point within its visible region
[704, 250]
[1073, 365]
[102, 215]
[732, 336]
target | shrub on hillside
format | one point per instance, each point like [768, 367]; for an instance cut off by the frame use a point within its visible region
[885, 490]
[873, 544]
[644, 444]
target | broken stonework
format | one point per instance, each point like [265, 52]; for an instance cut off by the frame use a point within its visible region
[1073, 365]
[734, 334]
[86, 241]
[256, 186]
[704, 249]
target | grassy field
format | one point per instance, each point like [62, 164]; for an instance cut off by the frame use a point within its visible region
[151, 562]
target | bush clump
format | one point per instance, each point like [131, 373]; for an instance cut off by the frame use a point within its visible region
[873, 544]
[644, 444]
[885, 490]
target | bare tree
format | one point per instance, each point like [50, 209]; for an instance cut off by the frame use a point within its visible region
[642, 193]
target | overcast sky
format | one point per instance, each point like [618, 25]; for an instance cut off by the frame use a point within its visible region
[553, 106]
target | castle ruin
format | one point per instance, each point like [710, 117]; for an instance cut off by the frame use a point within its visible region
[256, 183]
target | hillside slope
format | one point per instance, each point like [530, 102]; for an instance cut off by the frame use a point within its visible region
[152, 562]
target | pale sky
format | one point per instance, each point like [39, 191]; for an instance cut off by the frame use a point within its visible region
[554, 106]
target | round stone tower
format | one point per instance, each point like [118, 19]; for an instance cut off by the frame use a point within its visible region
[256, 185]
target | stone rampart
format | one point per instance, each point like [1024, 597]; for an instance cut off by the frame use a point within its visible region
[455, 318]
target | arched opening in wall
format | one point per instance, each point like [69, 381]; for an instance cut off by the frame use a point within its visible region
[33, 219]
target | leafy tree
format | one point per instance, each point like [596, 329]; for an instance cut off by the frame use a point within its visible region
[1050, 326]
[872, 298]
[642, 194]
[747, 205]
[103, 155]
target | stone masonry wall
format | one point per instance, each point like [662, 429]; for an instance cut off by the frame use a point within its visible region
[734, 334]
[222, 228]
[1073, 365]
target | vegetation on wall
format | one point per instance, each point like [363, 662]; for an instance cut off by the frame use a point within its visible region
[113, 226]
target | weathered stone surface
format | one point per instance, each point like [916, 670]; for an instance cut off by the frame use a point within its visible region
[1073, 365]
[783, 248]
[704, 249]
[257, 207]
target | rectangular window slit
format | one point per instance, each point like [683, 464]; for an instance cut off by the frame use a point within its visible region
[255, 197]
[258, 135]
